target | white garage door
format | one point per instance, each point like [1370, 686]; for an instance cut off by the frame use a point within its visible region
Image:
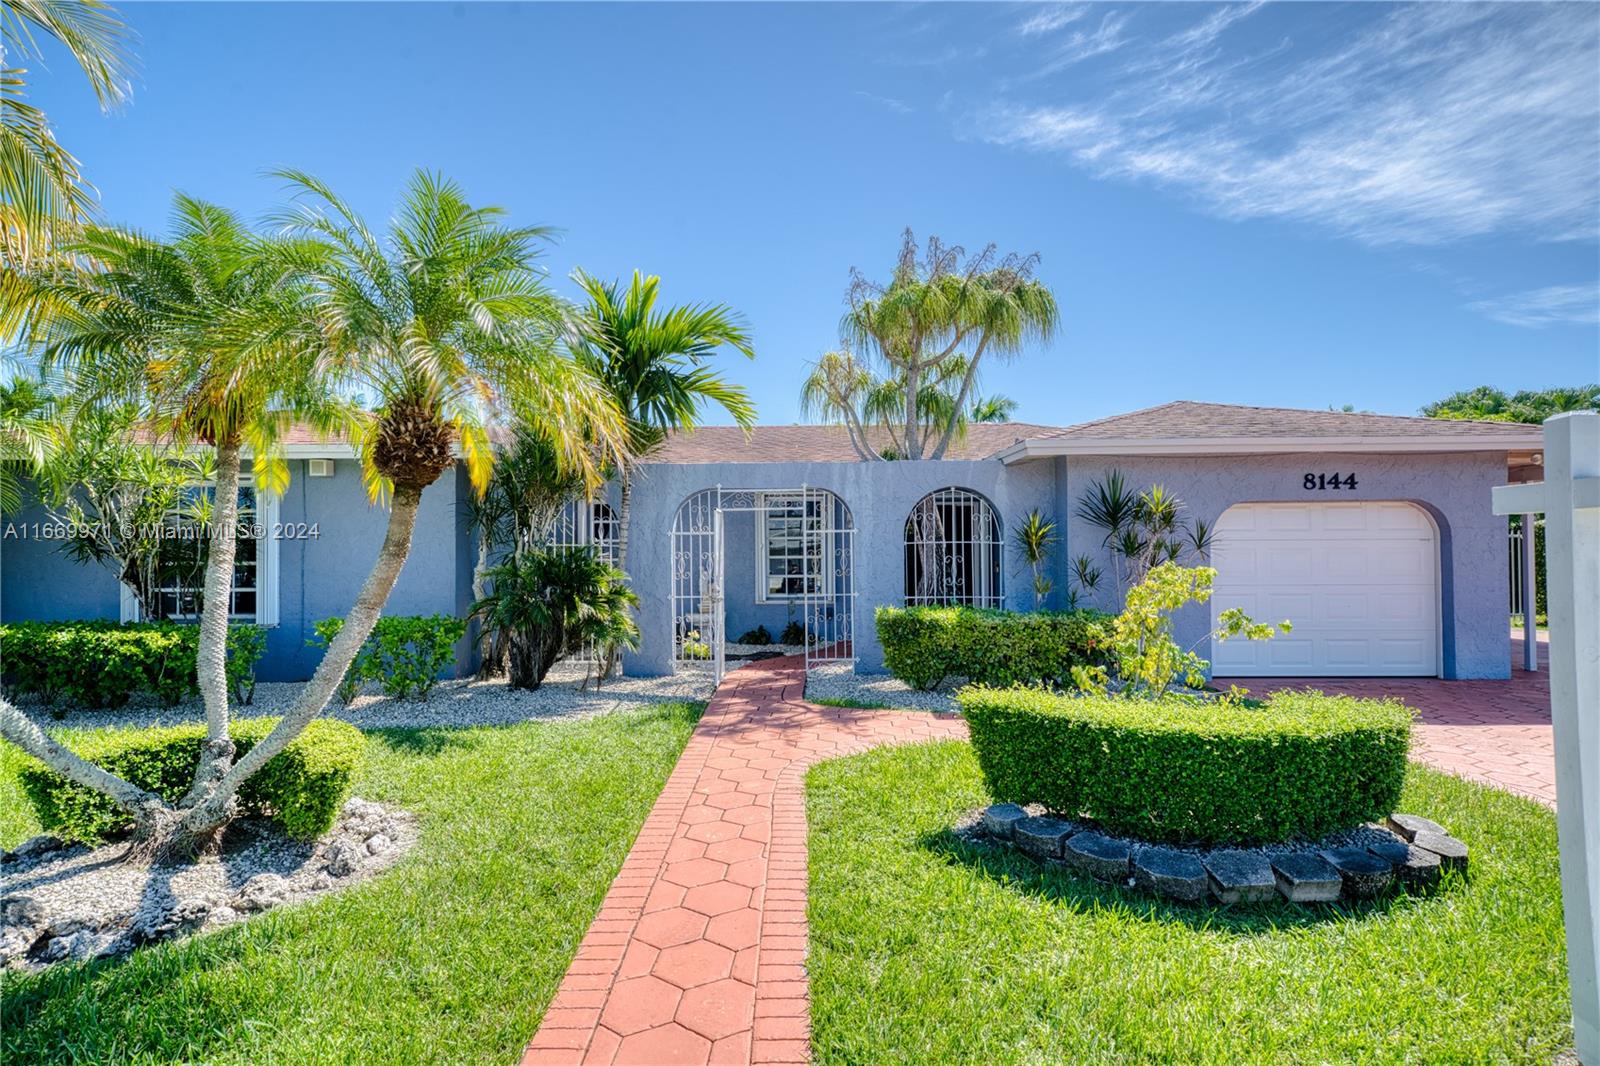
[1358, 580]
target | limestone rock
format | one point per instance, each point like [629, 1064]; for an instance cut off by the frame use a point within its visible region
[1240, 876]
[377, 844]
[1098, 856]
[1166, 872]
[261, 892]
[343, 857]
[1305, 878]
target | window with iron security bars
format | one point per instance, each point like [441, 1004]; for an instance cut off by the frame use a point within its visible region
[953, 551]
[586, 524]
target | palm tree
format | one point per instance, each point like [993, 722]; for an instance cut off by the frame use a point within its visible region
[654, 365]
[28, 436]
[936, 310]
[205, 336]
[448, 323]
[996, 408]
[43, 196]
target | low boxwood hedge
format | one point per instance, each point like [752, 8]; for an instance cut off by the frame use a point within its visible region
[924, 645]
[102, 664]
[301, 789]
[1296, 767]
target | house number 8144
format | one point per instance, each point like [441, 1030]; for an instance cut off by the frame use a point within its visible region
[1312, 482]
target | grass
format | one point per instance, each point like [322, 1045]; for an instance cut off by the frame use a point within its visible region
[926, 949]
[838, 701]
[450, 957]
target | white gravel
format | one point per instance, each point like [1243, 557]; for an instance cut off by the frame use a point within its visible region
[836, 681]
[451, 704]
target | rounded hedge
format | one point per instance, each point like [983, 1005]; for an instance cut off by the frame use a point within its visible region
[1299, 766]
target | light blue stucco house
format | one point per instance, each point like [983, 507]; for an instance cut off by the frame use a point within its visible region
[1372, 533]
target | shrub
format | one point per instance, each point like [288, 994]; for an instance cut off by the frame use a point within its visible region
[1298, 766]
[758, 635]
[301, 789]
[405, 653]
[924, 645]
[550, 602]
[102, 664]
[793, 633]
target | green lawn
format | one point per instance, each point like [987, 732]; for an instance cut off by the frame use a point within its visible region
[926, 950]
[450, 957]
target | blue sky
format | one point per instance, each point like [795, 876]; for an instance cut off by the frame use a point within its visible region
[1296, 205]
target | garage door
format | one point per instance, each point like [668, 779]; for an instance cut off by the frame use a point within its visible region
[1358, 580]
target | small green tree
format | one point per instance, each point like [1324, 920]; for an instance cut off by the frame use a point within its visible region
[1146, 658]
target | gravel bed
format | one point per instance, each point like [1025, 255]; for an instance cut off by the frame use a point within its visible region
[74, 902]
[837, 681]
[451, 704]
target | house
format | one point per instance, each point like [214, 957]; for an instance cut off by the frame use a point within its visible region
[1372, 533]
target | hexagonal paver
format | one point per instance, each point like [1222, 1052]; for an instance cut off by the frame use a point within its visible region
[638, 959]
[735, 850]
[743, 773]
[729, 800]
[666, 928]
[640, 1003]
[711, 831]
[693, 964]
[736, 929]
[710, 787]
[664, 895]
[699, 813]
[719, 897]
[719, 1009]
[750, 872]
[687, 847]
[746, 815]
[660, 1047]
[695, 872]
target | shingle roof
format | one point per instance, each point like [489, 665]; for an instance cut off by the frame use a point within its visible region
[819, 444]
[1210, 421]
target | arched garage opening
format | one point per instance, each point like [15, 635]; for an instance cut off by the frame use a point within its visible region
[1360, 581]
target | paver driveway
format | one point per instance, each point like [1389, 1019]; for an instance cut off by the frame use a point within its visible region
[1497, 732]
[698, 952]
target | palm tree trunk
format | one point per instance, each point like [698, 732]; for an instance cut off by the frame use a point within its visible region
[25, 734]
[212, 654]
[608, 662]
[913, 415]
[212, 811]
[958, 413]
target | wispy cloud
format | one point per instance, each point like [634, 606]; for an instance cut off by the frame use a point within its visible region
[1050, 18]
[898, 106]
[1550, 306]
[1421, 124]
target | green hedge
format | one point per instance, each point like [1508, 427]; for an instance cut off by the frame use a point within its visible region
[405, 654]
[301, 789]
[102, 664]
[924, 645]
[1298, 766]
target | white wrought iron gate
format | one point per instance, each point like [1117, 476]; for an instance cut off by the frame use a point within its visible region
[700, 582]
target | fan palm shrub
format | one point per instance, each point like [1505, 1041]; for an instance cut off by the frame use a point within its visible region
[549, 602]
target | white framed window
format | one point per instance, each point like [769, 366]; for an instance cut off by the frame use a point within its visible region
[181, 570]
[791, 544]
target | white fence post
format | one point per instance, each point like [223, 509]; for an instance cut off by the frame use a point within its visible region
[1569, 497]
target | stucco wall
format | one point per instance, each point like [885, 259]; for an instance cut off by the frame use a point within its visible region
[317, 577]
[879, 495]
[1453, 488]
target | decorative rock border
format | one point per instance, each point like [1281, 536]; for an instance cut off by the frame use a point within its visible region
[1407, 851]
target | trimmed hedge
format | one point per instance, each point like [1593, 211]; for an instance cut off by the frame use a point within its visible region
[924, 645]
[301, 789]
[102, 664]
[406, 654]
[1296, 767]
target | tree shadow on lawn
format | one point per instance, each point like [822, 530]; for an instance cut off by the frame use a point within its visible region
[1058, 884]
[436, 740]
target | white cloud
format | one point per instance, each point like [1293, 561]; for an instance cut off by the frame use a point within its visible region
[1423, 124]
[1050, 18]
[893, 104]
[1553, 305]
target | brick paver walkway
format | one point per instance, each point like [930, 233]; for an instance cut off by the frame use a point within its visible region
[698, 952]
[1497, 732]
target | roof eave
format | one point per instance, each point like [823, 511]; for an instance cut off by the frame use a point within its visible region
[1047, 447]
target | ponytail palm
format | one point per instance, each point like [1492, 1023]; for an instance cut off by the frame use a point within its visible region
[654, 364]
